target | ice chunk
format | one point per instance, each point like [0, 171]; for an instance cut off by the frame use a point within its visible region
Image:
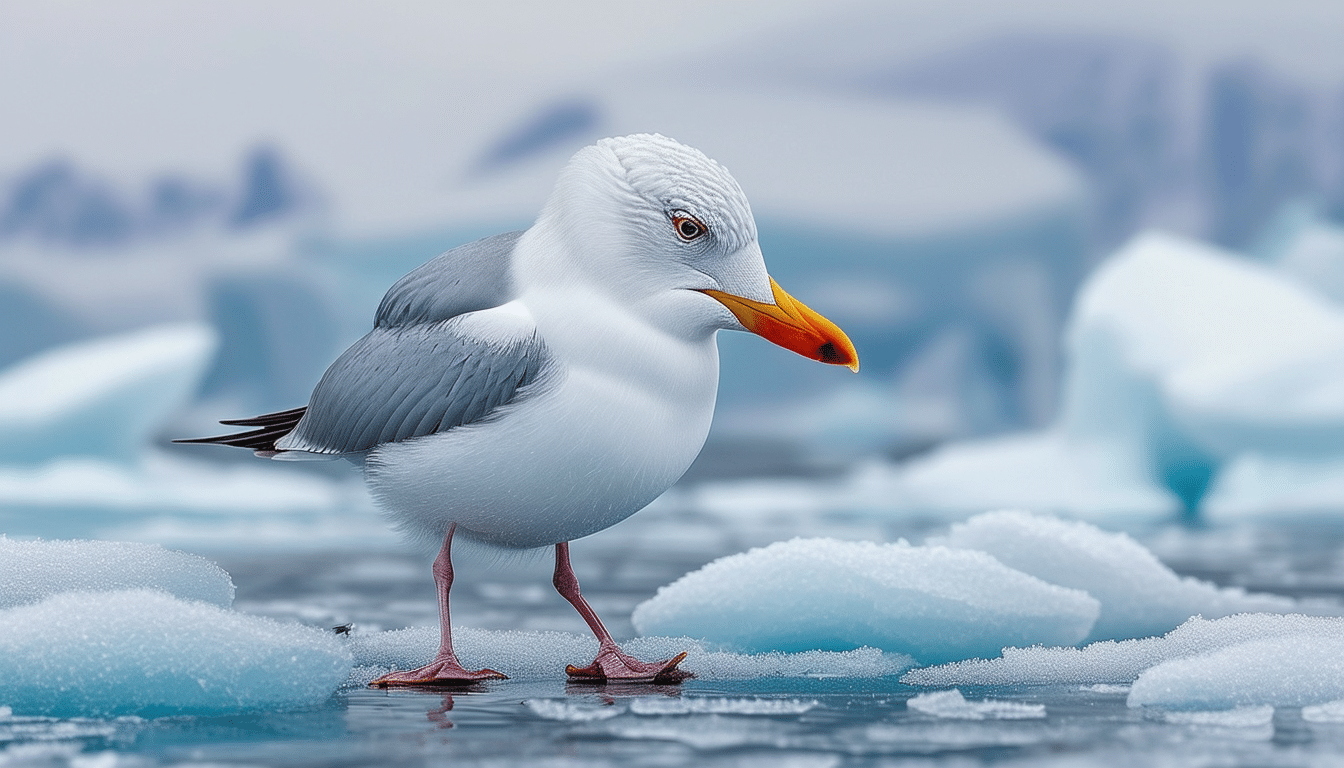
[1122, 662]
[933, 603]
[1238, 717]
[1329, 712]
[1294, 670]
[104, 397]
[542, 655]
[1139, 596]
[141, 652]
[951, 704]
[567, 711]
[1255, 482]
[707, 706]
[31, 571]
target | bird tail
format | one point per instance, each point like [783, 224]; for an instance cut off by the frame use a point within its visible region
[270, 427]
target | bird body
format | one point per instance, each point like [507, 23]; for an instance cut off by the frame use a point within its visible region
[532, 388]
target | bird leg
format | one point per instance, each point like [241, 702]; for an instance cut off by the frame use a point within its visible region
[445, 668]
[611, 663]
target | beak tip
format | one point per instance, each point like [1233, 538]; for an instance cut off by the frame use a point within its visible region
[854, 366]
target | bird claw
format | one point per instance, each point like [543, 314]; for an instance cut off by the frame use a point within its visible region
[614, 665]
[440, 672]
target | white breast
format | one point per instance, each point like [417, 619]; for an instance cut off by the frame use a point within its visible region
[618, 420]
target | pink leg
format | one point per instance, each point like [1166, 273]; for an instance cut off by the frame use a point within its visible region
[444, 669]
[611, 663]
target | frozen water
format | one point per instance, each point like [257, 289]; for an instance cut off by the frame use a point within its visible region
[1238, 717]
[952, 704]
[933, 603]
[31, 571]
[103, 397]
[1255, 482]
[1139, 596]
[1293, 670]
[1124, 661]
[714, 706]
[542, 655]
[1329, 712]
[142, 652]
[571, 712]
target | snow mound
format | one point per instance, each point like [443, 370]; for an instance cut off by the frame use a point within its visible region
[1294, 670]
[103, 397]
[1124, 661]
[145, 653]
[1139, 596]
[951, 704]
[31, 571]
[542, 655]
[933, 603]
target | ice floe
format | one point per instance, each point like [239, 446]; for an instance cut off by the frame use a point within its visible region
[31, 571]
[953, 705]
[143, 652]
[933, 603]
[542, 655]
[1139, 596]
[1195, 666]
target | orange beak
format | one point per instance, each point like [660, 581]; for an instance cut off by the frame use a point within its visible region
[792, 325]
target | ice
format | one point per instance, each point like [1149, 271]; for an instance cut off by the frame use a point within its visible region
[146, 653]
[711, 706]
[104, 397]
[570, 711]
[1293, 670]
[31, 571]
[1329, 712]
[1123, 661]
[1238, 717]
[933, 603]
[1139, 595]
[953, 705]
[542, 655]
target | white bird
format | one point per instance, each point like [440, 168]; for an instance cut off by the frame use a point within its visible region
[535, 387]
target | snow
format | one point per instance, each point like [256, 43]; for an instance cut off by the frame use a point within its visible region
[1125, 661]
[1139, 595]
[528, 655]
[31, 571]
[933, 603]
[102, 397]
[953, 705]
[1294, 670]
[146, 653]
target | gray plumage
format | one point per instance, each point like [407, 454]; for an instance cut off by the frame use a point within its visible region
[419, 371]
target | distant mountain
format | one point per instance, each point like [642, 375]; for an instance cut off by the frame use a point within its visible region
[58, 202]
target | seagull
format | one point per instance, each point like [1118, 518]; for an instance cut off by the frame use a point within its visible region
[535, 387]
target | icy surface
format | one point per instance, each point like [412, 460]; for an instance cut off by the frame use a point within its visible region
[933, 603]
[1329, 712]
[141, 652]
[1124, 661]
[1139, 596]
[952, 704]
[542, 655]
[103, 397]
[1295, 670]
[31, 571]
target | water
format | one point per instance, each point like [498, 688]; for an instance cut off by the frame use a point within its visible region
[771, 721]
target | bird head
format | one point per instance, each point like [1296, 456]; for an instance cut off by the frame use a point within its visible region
[670, 233]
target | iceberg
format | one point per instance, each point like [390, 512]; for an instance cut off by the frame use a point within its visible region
[933, 603]
[1124, 661]
[103, 397]
[146, 653]
[1139, 596]
[32, 571]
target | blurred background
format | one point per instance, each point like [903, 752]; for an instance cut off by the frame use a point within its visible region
[207, 200]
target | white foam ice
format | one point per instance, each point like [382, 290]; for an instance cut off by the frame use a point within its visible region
[567, 711]
[1329, 712]
[933, 603]
[1123, 661]
[720, 706]
[31, 571]
[1292, 670]
[1139, 595]
[953, 705]
[1237, 717]
[144, 652]
[543, 655]
[103, 397]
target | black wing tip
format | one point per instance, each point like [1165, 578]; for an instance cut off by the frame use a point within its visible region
[270, 428]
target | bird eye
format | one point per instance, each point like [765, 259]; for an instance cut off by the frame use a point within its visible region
[687, 227]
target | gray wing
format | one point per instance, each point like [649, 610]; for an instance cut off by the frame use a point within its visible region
[465, 279]
[399, 383]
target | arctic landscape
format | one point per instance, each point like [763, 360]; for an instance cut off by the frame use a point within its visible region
[1084, 504]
